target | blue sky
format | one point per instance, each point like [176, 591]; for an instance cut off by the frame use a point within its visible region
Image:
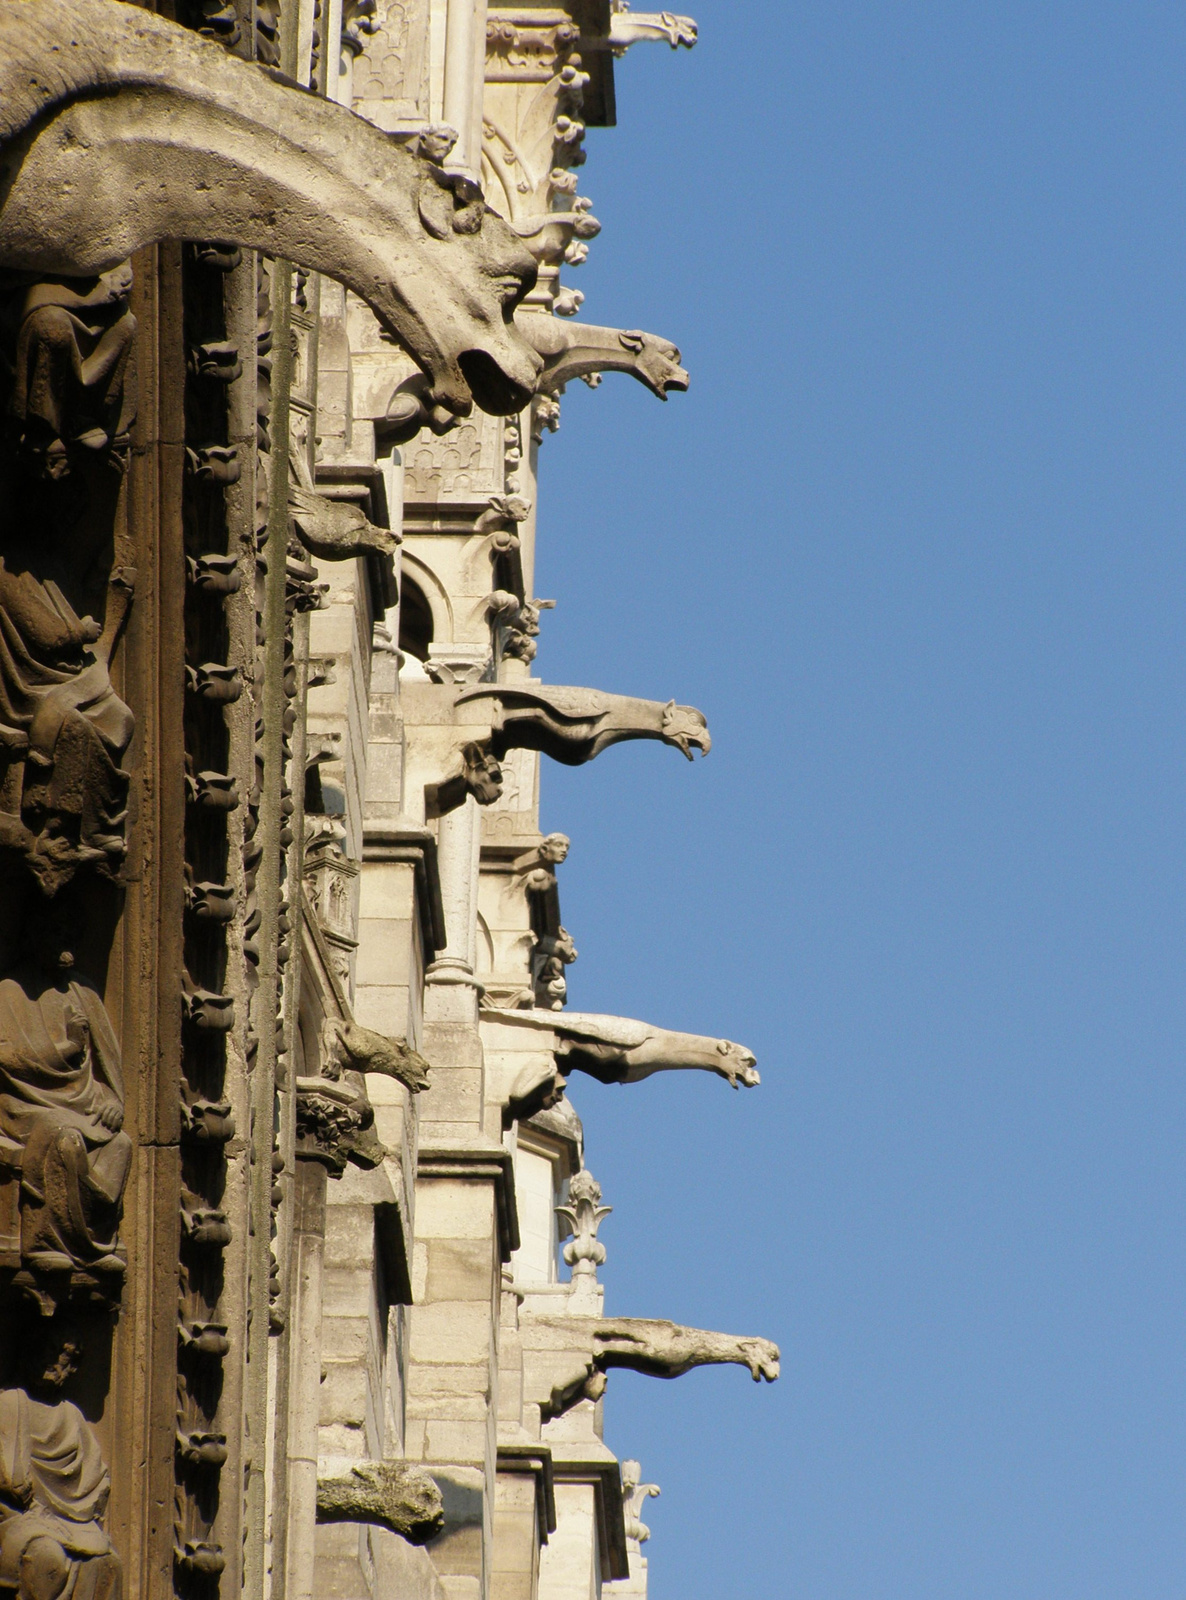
[913, 542]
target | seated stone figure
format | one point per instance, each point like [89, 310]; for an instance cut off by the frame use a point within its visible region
[53, 1494]
[61, 1119]
[73, 384]
[63, 729]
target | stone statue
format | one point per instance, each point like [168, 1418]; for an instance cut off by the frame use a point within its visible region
[53, 1494]
[580, 350]
[63, 728]
[61, 1122]
[119, 128]
[73, 382]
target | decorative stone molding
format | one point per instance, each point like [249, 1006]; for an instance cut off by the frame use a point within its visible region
[282, 171]
[334, 1123]
[391, 1494]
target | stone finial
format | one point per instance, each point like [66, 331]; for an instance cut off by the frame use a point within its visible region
[392, 1494]
[584, 1214]
[635, 1495]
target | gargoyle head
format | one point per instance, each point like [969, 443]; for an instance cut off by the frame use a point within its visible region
[684, 726]
[464, 339]
[738, 1064]
[656, 362]
[364, 1050]
[761, 1357]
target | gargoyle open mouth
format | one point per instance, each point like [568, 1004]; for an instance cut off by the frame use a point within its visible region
[493, 389]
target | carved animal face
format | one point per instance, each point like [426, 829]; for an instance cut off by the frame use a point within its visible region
[466, 342]
[190, 142]
[738, 1064]
[684, 726]
[657, 362]
[762, 1358]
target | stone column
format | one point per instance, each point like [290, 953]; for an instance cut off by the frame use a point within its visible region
[459, 849]
[308, 1241]
[465, 36]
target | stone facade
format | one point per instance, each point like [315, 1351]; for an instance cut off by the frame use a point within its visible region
[299, 1256]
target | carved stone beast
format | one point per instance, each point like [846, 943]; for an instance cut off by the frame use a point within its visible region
[119, 128]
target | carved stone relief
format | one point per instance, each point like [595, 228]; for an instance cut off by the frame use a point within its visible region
[391, 75]
[54, 1486]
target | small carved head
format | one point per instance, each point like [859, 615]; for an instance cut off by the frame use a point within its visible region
[738, 1064]
[657, 362]
[684, 726]
[455, 316]
[762, 1358]
[482, 774]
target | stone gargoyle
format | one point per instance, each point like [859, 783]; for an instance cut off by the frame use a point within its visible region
[580, 350]
[119, 128]
[335, 1121]
[569, 724]
[613, 1050]
[392, 1494]
[565, 1359]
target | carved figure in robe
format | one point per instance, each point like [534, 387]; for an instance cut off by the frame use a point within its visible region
[61, 1122]
[63, 728]
[53, 1494]
[73, 372]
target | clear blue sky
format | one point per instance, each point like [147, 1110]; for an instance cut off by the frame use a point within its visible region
[914, 542]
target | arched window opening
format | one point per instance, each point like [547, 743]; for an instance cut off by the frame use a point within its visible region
[415, 621]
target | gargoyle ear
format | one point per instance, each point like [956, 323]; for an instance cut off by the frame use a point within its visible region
[436, 207]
